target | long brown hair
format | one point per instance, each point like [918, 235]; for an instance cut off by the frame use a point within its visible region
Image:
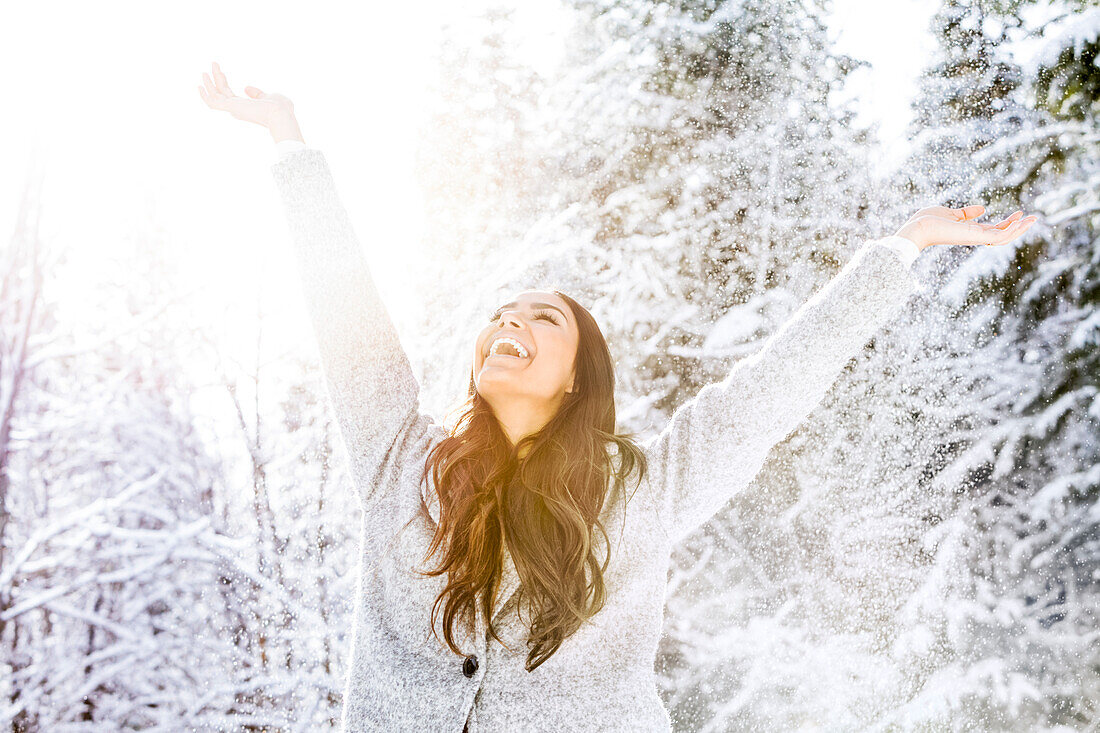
[544, 505]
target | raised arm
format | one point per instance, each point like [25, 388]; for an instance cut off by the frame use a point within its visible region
[716, 442]
[370, 381]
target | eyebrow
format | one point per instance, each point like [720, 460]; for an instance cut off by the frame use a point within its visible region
[534, 305]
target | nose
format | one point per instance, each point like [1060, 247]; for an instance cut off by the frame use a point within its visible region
[508, 317]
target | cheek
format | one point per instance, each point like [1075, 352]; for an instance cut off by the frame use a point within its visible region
[561, 350]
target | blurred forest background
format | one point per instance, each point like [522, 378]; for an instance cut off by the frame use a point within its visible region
[923, 553]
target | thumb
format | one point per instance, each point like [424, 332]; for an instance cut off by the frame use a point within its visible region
[253, 92]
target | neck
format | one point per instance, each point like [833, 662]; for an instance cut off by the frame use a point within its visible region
[520, 419]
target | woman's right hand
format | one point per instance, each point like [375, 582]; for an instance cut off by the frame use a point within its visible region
[271, 110]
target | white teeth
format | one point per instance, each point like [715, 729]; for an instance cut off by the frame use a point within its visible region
[493, 348]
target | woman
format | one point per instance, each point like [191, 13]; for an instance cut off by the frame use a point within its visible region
[521, 486]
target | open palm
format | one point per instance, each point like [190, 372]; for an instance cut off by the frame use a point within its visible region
[941, 225]
[265, 109]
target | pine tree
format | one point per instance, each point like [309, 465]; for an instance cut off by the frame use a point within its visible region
[1016, 635]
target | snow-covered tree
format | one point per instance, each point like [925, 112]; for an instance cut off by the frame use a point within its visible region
[1016, 92]
[161, 567]
[109, 540]
[28, 322]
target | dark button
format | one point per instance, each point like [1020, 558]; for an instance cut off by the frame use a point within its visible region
[469, 666]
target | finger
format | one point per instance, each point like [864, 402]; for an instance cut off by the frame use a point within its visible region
[1009, 232]
[209, 84]
[220, 80]
[1003, 236]
[995, 235]
[211, 102]
[1003, 223]
[1007, 221]
[972, 211]
[974, 233]
[1025, 223]
[1016, 228]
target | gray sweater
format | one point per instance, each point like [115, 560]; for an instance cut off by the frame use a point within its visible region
[399, 676]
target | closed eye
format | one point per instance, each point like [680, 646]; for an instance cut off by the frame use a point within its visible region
[543, 314]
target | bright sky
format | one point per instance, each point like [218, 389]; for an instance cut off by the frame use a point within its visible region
[894, 37]
[106, 102]
[103, 99]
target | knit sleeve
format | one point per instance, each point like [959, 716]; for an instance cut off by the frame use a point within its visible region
[906, 248]
[716, 442]
[370, 382]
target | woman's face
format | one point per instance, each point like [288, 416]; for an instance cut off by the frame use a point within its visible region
[544, 324]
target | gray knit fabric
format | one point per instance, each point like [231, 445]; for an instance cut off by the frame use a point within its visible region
[399, 676]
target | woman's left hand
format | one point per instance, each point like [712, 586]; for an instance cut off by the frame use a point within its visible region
[941, 225]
